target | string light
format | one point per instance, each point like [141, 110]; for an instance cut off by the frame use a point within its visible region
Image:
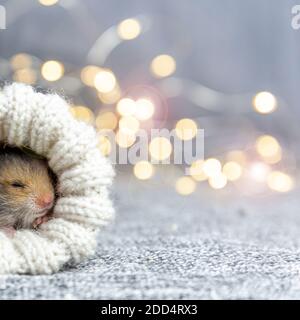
[267, 146]
[126, 107]
[163, 66]
[129, 124]
[186, 129]
[21, 61]
[144, 109]
[218, 181]
[232, 170]
[160, 148]
[264, 102]
[129, 29]
[88, 75]
[48, 2]
[105, 81]
[106, 120]
[52, 70]
[280, 182]
[83, 113]
[185, 186]
[196, 170]
[212, 167]
[143, 170]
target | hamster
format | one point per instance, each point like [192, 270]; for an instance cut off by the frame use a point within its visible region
[27, 191]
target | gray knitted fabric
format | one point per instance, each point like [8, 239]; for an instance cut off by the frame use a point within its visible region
[166, 246]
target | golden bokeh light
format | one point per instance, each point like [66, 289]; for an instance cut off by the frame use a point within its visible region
[143, 170]
[232, 170]
[238, 156]
[48, 2]
[106, 121]
[126, 107]
[104, 145]
[144, 109]
[185, 186]
[212, 167]
[88, 75]
[259, 171]
[27, 76]
[83, 113]
[52, 70]
[21, 61]
[218, 181]
[129, 29]
[160, 148]
[264, 102]
[267, 146]
[196, 170]
[125, 139]
[129, 124]
[280, 182]
[105, 81]
[186, 129]
[110, 97]
[163, 66]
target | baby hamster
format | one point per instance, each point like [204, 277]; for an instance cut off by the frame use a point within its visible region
[27, 191]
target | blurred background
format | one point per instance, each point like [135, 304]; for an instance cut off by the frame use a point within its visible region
[229, 67]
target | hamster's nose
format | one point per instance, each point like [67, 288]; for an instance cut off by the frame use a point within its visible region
[45, 201]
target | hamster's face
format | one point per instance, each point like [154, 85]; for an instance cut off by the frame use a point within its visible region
[26, 188]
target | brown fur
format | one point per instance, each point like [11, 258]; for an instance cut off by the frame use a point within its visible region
[23, 179]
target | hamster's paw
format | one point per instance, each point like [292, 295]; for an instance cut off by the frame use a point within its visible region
[38, 221]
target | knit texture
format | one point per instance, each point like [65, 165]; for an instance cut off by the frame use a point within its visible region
[44, 123]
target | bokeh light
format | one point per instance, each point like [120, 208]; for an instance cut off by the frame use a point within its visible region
[52, 70]
[104, 145]
[238, 156]
[264, 102]
[83, 113]
[126, 107]
[144, 109]
[21, 61]
[129, 29]
[232, 170]
[27, 76]
[110, 97]
[106, 120]
[196, 170]
[186, 129]
[160, 148]
[268, 147]
[218, 181]
[129, 124]
[280, 182]
[212, 167]
[143, 170]
[259, 171]
[125, 139]
[88, 75]
[185, 186]
[163, 66]
[105, 81]
[48, 2]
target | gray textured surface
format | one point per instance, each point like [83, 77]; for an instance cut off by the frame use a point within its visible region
[166, 246]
